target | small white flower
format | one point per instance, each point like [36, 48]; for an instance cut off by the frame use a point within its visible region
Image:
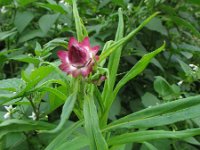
[63, 2]
[7, 115]
[194, 67]
[10, 110]
[33, 116]
[3, 10]
[180, 82]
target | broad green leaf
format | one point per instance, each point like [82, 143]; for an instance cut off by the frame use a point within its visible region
[80, 28]
[41, 72]
[162, 114]
[6, 34]
[165, 90]
[10, 88]
[122, 41]
[31, 35]
[97, 141]
[149, 100]
[66, 111]
[47, 21]
[142, 136]
[77, 143]
[14, 125]
[186, 68]
[56, 43]
[186, 24]
[26, 58]
[22, 19]
[12, 84]
[62, 137]
[156, 25]
[54, 7]
[189, 47]
[54, 91]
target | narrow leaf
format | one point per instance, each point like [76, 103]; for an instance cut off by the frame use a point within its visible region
[66, 111]
[97, 141]
[61, 138]
[80, 28]
[161, 114]
[138, 68]
[142, 136]
[122, 41]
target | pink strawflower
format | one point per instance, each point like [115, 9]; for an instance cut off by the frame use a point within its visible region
[79, 59]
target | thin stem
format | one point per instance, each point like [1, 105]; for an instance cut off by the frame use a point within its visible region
[35, 110]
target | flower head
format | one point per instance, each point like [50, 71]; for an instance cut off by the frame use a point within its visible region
[79, 59]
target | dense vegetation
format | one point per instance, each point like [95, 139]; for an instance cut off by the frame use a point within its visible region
[143, 92]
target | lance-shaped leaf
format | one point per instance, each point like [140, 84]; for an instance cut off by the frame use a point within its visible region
[80, 28]
[162, 114]
[122, 41]
[142, 136]
[114, 59]
[97, 141]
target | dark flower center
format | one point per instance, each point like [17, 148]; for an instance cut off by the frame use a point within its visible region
[78, 56]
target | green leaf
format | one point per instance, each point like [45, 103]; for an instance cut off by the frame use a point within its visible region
[114, 59]
[31, 35]
[156, 25]
[122, 41]
[14, 125]
[184, 23]
[150, 146]
[194, 1]
[189, 47]
[149, 100]
[97, 141]
[56, 43]
[142, 136]
[25, 2]
[164, 89]
[61, 138]
[6, 34]
[137, 68]
[12, 84]
[80, 28]
[54, 7]
[186, 68]
[76, 143]
[47, 21]
[26, 58]
[22, 19]
[66, 111]
[159, 115]
[54, 91]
